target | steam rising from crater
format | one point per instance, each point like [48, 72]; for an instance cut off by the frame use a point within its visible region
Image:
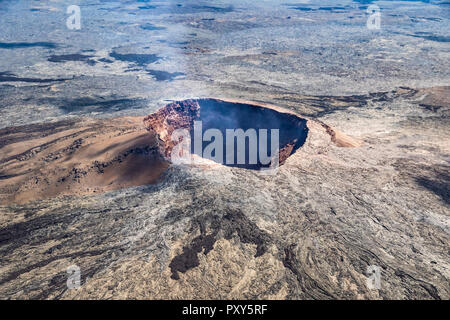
[243, 135]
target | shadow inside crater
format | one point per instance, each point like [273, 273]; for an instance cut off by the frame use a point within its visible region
[231, 116]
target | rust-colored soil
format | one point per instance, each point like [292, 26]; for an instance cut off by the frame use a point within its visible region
[76, 157]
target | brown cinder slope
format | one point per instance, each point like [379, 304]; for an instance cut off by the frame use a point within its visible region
[76, 157]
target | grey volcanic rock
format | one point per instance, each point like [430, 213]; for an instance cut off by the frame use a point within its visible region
[308, 232]
[369, 186]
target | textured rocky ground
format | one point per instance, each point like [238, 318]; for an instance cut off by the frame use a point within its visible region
[310, 231]
[370, 185]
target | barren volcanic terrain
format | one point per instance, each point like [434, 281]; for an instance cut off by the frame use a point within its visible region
[86, 172]
[338, 204]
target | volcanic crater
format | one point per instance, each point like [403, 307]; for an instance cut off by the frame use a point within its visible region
[85, 156]
[218, 128]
